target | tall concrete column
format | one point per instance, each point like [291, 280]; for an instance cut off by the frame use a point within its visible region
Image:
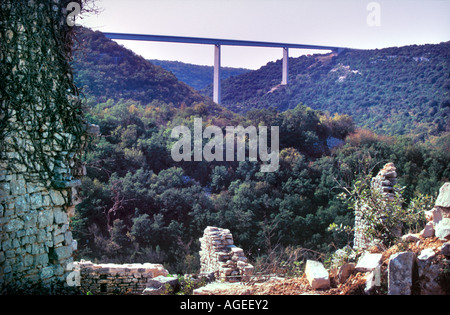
[216, 89]
[284, 80]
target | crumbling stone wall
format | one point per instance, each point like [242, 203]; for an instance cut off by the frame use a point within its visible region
[110, 279]
[36, 240]
[42, 137]
[384, 183]
[219, 255]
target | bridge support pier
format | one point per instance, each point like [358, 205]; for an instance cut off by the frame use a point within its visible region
[284, 80]
[216, 84]
[338, 50]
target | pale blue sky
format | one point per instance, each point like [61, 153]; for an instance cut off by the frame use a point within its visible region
[322, 22]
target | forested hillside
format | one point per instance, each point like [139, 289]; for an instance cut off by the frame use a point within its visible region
[199, 77]
[140, 205]
[106, 70]
[394, 91]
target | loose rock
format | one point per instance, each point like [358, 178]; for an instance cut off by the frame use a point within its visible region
[443, 199]
[443, 229]
[368, 262]
[317, 275]
[400, 273]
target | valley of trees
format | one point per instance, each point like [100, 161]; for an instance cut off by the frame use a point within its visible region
[141, 206]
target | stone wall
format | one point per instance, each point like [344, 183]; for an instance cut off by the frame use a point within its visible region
[36, 241]
[384, 184]
[110, 279]
[219, 255]
[42, 136]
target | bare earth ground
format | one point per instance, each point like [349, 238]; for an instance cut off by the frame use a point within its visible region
[354, 285]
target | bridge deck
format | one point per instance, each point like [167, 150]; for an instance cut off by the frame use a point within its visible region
[213, 41]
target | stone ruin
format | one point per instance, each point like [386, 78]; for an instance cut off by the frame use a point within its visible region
[40, 147]
[384, 183]
[407, 272]
[109, 279]
[406, 268]
[438, 217]
[220, 260]
[36, 239]
[220, 256]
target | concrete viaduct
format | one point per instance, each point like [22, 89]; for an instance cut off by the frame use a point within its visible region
[217, 54]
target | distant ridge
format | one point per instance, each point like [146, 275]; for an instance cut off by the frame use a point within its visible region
[197, 76]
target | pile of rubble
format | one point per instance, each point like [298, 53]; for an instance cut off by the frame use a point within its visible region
[423, 268]
[438, 218]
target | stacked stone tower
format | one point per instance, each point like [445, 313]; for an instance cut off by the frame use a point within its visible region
[219, 255]
[384, 184]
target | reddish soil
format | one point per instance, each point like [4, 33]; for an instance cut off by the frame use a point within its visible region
[354, 285]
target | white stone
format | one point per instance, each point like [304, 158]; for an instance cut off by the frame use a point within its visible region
[60, 216]
[442, 230]
[372, 281]
[236, 250]
[214, 287]
[368, 262]
[426, 254]
[153, 291]
[428, 272]
[445, 249]
[163, 283]
[443, 200]
[317, 275]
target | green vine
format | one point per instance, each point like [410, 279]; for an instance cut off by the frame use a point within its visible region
[42, 126]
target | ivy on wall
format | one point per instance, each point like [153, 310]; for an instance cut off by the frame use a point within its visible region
[42, 127]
